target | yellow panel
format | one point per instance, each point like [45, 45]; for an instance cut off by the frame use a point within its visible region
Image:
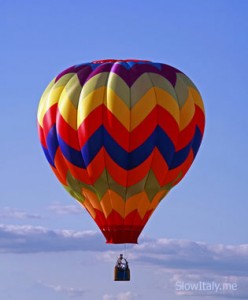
[116, 105]
[132, 203]
[52, 94]
[111, 101]
[42, 103]
[93, 199]
[118, 204]
[73, 90]
[68, 110]
[197, 98]
[52, 98]
[94, 83]
[87, 104]
[142, 108]
[157, 198]
[143, 206]
[169, 103]
[90, 208]
[119, 86]
[106, 204]
[187, 112]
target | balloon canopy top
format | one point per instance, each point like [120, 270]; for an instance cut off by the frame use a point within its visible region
[101, 61]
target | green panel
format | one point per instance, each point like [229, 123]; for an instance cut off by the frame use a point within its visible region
[136, 188]
[94, 83]
[181, 91]
[119, 86]
[101, 185]
[152, 186]
[73, 90]
[77, 185]
[64, 79]
[186, 80]
[161, 82]
[141, 86]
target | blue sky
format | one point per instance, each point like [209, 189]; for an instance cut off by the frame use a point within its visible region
[49, 246]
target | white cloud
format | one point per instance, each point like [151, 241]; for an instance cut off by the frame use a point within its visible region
[121, 296]
[66, 209]
[178, 254]
[12, 213]
[72, 292]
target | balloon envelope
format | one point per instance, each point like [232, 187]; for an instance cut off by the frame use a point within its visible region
[119, 134]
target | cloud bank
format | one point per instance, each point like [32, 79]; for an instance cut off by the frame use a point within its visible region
[32, 239]
[11, 213]
[178, 254]
[70, 292]
[73, 209]
[168, 253]
[190, 265]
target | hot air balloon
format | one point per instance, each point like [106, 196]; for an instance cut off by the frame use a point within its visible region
[119, 135]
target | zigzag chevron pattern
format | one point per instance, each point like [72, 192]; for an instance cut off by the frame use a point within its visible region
[119, 134]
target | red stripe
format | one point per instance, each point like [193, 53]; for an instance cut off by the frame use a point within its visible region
[101, 161]
[49, 118]
[132, 140]
[146, 217]
[168, 124]
[127, 178]
[67, 133]
[78, 173]
[142, 132]
[115, 219]
[200, 118]
[61, 167]
[121, 231]
[90, 125]
[41, 136]
[118, 230]
[186, 135]
[100, 219]
[97, 166]
[114, 127]
[172, 176]
[127, 140]
[159, 166]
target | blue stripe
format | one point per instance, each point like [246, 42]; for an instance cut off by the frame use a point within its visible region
[197, 140]
[128, 160]
[156, 65]
[48, 157]
[52, 145]
[93, 146]
[165, 145]
[180, 156]
[74, 156]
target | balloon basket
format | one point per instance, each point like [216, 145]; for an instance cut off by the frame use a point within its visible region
[121, 275]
